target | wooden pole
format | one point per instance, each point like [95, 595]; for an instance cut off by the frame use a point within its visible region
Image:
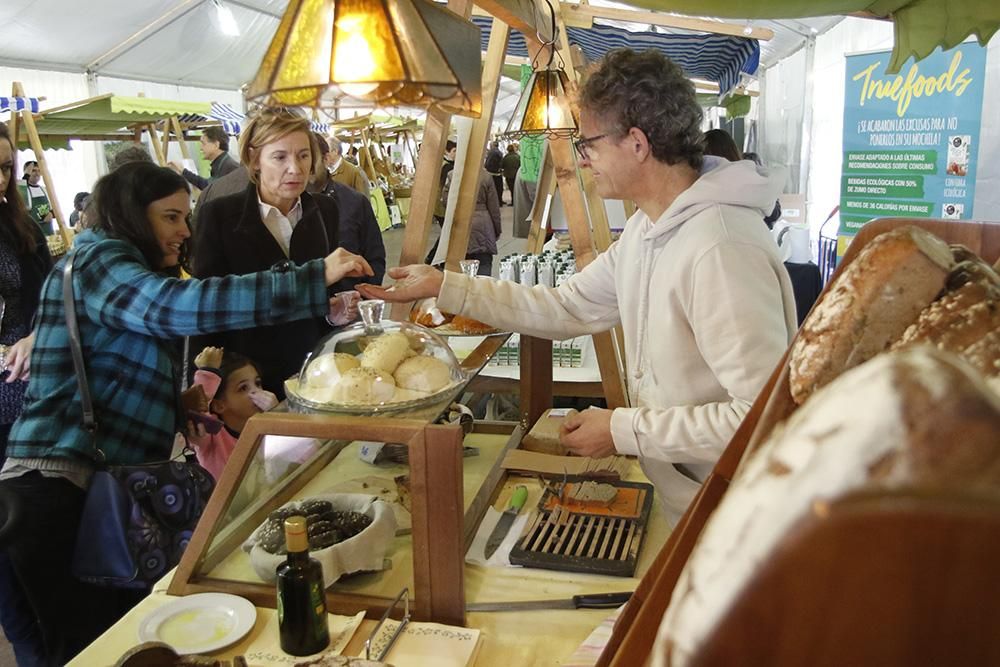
[426, 181]
[157, 149]
[458, 241]
[36, 145]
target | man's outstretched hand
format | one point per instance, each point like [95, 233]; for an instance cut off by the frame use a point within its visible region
[416, 281]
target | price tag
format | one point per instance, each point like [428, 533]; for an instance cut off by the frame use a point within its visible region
[369, 450]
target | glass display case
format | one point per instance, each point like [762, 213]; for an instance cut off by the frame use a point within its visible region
[310, 453]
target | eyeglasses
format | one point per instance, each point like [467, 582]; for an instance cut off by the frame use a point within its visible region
[582, 145]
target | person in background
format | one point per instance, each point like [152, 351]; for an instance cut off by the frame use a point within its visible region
[24, 263]
[135, 152]
[721, 144]
[35, 198]
[485, 228]
[359, 231]
[441, 196]
[272, 222]
[129, 304]
[232, 386]
[343, 171]
[214, 144]
[494, 167]
[511, 163]
[695, 281]
[79, 202]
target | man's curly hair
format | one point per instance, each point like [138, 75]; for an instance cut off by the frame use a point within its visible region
[648, 91]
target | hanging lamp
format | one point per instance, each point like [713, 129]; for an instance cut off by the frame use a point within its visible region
[544, 108]
[340, 53]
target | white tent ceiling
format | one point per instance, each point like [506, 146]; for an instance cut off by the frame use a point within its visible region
[180, 42]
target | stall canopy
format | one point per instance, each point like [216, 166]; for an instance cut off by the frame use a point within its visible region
[107, 117]
[718, 58]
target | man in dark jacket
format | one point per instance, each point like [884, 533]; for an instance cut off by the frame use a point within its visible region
[215, 149]
[511, 163]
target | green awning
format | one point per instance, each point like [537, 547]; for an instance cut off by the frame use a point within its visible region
[107, 117]
[920, 25]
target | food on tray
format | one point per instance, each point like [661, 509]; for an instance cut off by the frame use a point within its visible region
[325, 526]
[874, 300]
[426, 313]
[423, 374]
[593, 494]
[403, 490]
[888, 424]
[471, 326]
[386, 352]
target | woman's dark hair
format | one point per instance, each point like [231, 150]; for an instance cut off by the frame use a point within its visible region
[219, 136]
[648, 91]
[80, 200]
[718, 142]
[121, 199]
[232, 362]
[12, 209]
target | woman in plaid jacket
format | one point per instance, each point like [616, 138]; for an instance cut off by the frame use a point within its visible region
[130, 306]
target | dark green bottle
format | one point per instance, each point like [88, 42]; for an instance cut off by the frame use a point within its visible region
[301, 600]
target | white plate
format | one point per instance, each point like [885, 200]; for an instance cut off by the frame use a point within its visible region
[199, 623]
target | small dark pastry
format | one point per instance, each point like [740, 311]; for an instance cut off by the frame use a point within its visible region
[315, 507]
[318, 526]
[324, 539]
[351, 523]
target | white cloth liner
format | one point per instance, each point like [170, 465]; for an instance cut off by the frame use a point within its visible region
[363, 552]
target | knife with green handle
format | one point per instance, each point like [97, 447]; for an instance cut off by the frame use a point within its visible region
[517, 500]
[593, 601]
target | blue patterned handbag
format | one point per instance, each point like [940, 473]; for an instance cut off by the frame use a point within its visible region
[137, 519]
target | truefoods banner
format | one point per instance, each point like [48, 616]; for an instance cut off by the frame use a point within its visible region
[910, 139]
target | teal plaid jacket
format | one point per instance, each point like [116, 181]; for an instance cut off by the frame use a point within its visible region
[127, 315]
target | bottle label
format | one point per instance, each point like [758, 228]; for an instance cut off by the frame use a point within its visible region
[281, 605]
[319, 610]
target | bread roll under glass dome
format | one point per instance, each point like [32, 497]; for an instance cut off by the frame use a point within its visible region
[375, 366]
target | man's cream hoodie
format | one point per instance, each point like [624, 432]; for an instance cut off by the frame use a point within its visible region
[706, 308]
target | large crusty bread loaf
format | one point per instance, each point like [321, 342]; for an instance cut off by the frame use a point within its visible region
[876, 297]
[921, 418]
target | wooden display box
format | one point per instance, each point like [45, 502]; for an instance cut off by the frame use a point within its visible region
[442, 524]
[636, 629]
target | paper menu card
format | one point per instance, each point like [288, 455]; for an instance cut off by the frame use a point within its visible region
[427, 644]
[265, 650]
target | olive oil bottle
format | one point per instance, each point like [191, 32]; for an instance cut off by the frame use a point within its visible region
[301, 601]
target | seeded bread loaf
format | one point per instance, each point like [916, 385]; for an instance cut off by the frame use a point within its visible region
[891, 423]
[875, 298]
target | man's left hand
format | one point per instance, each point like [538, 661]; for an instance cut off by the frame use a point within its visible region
[588, 433]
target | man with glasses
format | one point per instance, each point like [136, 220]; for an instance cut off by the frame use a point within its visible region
[695, 280]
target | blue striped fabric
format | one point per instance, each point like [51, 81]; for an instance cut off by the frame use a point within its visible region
[232, 120]
[718, 58]
[19, 104]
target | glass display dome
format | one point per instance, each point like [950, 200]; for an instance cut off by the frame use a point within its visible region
[375, 366]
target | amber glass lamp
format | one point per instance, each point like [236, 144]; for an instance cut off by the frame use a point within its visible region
[544, 107]
[330, 53]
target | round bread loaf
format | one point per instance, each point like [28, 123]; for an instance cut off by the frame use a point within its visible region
[958, 321]
[326, 369]
[874, 299]
[386, 352]
[890, 423]
[363, 385]
[426, 374]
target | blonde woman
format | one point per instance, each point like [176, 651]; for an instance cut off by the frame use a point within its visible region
[273, 222]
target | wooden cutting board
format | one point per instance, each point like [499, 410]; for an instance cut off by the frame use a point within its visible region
[385, 489]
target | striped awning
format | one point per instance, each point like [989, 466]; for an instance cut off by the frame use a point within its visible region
[19, 104]
[719, 58]
[232, 120]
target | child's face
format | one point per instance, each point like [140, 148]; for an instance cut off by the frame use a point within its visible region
[234, 405]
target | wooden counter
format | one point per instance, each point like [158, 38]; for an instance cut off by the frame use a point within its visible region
[509, 639]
